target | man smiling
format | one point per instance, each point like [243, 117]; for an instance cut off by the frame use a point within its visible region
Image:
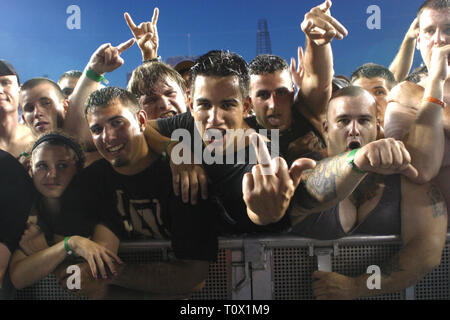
[129, 191]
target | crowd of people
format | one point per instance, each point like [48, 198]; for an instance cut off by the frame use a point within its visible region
[222, 147]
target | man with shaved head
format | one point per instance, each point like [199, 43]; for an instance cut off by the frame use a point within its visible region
[14, 137]
[382, 203]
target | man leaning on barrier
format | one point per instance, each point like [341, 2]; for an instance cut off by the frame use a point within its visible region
[381, 203]
[130, 193]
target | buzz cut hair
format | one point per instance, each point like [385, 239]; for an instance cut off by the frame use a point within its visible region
[373, 70]
[437, 5]
[267, 63]
[71, 74]
[351, 91]
[103, 98]
[30, 84]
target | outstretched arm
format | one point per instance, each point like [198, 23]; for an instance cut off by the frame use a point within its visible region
[315, 88]
[424, 227]
[105, 59]
[402, 62]
[419, 122]
[334, 179]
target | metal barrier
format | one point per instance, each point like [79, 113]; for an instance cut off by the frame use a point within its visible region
[276, 268]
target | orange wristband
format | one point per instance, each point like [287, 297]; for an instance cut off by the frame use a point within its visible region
[434, 100]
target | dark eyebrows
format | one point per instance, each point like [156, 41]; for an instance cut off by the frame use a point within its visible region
[361, 116]
[231, 100]
[201, 100]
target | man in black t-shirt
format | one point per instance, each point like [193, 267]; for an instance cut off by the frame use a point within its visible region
[129, 191]
[16, 198]
[298, 117]
[216, 133]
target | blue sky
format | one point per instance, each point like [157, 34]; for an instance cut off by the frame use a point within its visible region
[35, 39]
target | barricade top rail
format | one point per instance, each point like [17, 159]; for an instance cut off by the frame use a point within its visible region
[273, 241]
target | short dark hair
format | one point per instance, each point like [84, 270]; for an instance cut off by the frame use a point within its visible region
[437, 5]
[219, 63]
[417, 74]
[71, 74]
[351, 91]
[102, 98]
[372, 70]
[148, 74]
[30, 84]
[267, 63]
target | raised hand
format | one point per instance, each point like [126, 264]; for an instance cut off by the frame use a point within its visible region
[440, 59]
[298, 72]
[107, 58]
[385, 156]
[146, 35]
[413, 29]
[321, 27]
[268, 189]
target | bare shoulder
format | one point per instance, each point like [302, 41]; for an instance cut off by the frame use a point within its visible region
[427, 194]
[24, 134]
[407, 93]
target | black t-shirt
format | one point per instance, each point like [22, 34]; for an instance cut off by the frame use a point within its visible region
[225, 186]
[16, 198]
[300, 140]
[143, 206]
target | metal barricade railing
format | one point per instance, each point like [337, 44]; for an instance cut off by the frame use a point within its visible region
[276, 267]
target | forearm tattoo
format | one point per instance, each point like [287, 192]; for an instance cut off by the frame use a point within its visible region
[318, 185]
[437, 202]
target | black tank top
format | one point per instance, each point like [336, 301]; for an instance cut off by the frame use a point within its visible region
[384, 219]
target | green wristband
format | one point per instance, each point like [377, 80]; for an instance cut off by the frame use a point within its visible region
[91, 74]
[67, 247]
[351, 161]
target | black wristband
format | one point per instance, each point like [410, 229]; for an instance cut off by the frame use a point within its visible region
[157, 59]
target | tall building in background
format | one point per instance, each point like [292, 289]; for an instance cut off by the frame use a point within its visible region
[263, 38]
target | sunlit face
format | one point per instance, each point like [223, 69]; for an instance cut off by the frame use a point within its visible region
[351, 123]
[379, 89]
[67, 84]
[166, 99]
[434, 31]
[53, 167]
[117, 133]
[218, 106]
[272, 98]
[9, 94]
[43, 110]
